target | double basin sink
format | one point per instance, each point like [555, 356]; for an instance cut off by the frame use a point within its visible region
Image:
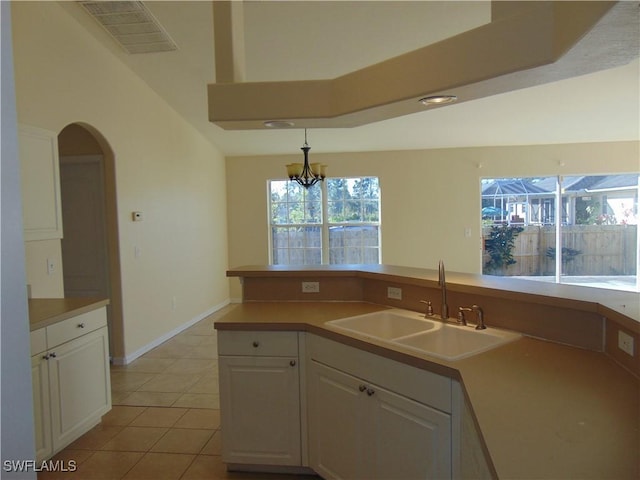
[429, 336]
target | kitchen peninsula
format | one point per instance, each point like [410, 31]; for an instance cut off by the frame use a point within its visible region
[559, 403]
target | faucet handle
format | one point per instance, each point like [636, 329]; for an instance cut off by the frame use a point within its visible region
[429, 312]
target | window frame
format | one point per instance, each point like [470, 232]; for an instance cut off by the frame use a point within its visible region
[325, 225]
[563, 216]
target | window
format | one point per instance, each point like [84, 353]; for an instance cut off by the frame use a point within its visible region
[296, 224]
[580, 230]
[336, 221]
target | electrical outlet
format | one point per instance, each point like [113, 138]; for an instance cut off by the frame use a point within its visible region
[394, 293]
[625, 342]
[310, 287]
[174, 304]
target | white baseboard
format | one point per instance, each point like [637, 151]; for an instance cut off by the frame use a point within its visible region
[150, 346]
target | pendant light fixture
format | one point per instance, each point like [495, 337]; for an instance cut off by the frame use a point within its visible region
[306, 174]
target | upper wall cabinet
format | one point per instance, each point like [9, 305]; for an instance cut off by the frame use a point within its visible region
[40, 171]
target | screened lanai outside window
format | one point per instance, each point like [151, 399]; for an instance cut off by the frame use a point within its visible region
[336, 221]
[578, 229]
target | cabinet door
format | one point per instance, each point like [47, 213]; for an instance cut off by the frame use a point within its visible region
[358, 430]
[336, 423]
[80, 386]
[260, 410]
[41, 406]
[40, 175]
[412, 440]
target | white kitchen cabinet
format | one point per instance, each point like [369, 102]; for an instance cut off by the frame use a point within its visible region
[383, 419]
[41, 406]
[336, 445]
[40, 179]
[80, 393]
[410, 439]
[344, 412]
[260, 398]
[71, 382]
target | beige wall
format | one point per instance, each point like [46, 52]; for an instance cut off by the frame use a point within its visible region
[429, 197]
[164, 168]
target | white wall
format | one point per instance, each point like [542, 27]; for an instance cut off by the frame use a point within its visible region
[17, 408]
[429, 197]
[164, 168]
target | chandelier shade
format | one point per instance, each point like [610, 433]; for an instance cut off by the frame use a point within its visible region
[306, 174]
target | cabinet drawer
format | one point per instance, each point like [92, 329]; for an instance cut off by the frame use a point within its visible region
[420, 385]
[271, 344]
[38, 341]
[75, 327]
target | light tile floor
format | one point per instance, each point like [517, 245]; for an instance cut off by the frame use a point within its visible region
[165, 420]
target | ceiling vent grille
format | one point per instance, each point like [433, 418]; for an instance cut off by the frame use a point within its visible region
[132, 25]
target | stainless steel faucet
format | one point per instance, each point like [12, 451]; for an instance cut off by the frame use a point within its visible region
[444, 311]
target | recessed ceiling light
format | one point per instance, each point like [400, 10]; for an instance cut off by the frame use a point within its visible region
[278, 124]
[438, 99]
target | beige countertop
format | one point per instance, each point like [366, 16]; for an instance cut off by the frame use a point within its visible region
[47, 311]
[545, 410]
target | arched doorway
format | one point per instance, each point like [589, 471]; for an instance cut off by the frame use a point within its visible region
[90, 246]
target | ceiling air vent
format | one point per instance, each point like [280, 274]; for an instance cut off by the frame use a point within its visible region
[133, 26]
